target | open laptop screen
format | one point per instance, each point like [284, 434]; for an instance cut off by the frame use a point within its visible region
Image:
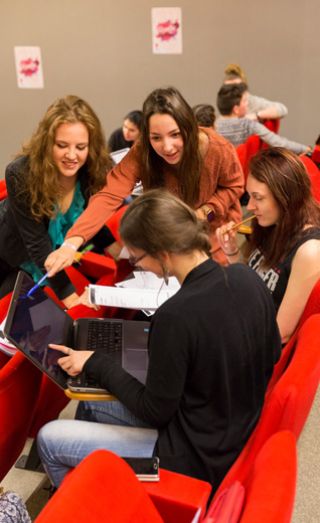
[34, 322]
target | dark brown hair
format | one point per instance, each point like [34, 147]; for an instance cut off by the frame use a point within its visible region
[287, 179]
[205, 114]
[158, 221]
[170, 101]
[230, 95]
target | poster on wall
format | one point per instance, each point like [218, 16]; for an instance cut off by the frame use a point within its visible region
[166, 30]
[28, 67]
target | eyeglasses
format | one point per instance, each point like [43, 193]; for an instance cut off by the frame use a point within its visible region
[133, 260]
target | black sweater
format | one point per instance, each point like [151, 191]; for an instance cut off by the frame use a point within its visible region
[22, 237]
[212, 349]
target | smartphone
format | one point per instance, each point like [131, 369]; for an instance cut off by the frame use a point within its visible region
[80, 384]
[146, 469]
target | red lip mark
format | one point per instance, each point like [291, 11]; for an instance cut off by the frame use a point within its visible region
[29, 66]
[167, 30]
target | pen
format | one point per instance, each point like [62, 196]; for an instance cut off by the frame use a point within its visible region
[37, 285]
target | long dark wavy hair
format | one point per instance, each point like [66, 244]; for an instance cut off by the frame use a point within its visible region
[41, 182]
[170, 101]
[287, 179]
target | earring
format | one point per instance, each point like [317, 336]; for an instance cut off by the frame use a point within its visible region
[165, 274]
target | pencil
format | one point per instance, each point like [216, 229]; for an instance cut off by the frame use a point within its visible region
[236, 225]
[244, 229]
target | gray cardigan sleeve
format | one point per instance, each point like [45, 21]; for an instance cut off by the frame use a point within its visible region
[274, 139]
[257, 103]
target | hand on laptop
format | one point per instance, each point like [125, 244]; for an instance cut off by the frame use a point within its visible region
[74, 360]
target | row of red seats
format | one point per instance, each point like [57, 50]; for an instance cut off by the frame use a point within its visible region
[116, 495]
[259, 487]
[176, 497]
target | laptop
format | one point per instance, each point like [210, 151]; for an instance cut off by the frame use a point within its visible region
[119, 154]
[34, 322]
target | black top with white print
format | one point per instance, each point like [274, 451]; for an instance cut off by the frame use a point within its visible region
[276, 277]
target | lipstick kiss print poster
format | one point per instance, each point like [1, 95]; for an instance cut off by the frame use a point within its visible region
[166, 30]
[29, 67]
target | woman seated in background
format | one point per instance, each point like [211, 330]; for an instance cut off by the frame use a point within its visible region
[198, 165]
[284, 247]
[205, 115]
[128, 134]
[49, 185]
[212, 348]
[258, 108]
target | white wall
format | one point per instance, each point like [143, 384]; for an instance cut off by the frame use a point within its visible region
[101, 50]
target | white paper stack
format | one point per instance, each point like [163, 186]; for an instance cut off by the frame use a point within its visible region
[144, 291]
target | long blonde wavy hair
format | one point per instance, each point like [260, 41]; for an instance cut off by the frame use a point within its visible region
[41, 185]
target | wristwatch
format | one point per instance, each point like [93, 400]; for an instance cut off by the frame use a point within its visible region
[208, 212]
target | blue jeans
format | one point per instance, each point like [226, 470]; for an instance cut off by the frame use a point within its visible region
[62, 444]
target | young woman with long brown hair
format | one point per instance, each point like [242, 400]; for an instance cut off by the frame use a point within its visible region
[49, 185]
[197, 165]
[284, 247]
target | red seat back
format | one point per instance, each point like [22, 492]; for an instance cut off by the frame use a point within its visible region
[312, 307]
[19, 388]
[314, 175]
[270, 489]
[272, 124]
[246, 151]
[289, 402]
[114, 222]
[4, 304]
[178, 497]
[268, 492]
[101, 488]
[3, 190]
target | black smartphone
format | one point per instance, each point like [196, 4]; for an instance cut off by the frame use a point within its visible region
[146, 469]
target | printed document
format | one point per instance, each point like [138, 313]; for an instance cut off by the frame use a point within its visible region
[144, 291]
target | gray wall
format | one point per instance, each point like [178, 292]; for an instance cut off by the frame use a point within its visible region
[101, 50]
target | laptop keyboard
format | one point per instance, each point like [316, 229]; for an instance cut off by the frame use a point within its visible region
[105, 335]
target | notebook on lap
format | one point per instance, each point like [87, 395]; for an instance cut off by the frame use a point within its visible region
[34, 322]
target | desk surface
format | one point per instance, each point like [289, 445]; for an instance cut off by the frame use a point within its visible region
[87, 396]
